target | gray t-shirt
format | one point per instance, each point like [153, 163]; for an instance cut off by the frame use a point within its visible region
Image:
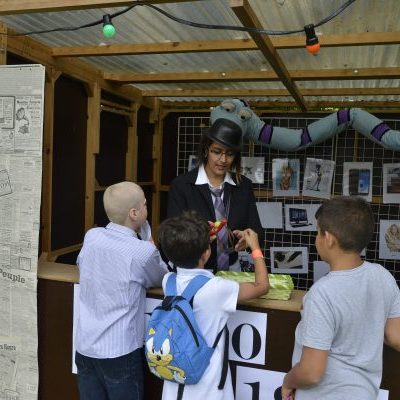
[345, 312]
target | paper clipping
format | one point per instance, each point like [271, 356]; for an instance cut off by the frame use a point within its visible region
[318, 177]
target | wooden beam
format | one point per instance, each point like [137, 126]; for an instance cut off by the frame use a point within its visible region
[3, 44]
[274, 106]
[131, 160]
[32, 6]
[47, 177]
[253, 76]
[286, 42]
[270, 92]
[192, 77]
[92, 148]
[248, 18]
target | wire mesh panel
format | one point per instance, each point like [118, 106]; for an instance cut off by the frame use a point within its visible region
[348, 146]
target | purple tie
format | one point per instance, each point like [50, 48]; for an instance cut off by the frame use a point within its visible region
[222, 235]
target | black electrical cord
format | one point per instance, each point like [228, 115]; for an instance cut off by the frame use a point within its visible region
[190, 23]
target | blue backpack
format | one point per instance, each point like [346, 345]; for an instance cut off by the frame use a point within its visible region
[175, 348]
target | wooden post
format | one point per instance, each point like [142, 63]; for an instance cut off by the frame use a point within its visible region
[3, 44]
[47, 182]
[132, 148]
[92, 148]
[157, 162]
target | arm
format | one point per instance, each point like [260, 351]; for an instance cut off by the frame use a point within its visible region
[260, 286]
[153, 270]
[307, 372]
[392, 333]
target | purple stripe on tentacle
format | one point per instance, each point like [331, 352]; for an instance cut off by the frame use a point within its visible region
[343, 116]
[379, 131]
[305, 137]
[265, 135]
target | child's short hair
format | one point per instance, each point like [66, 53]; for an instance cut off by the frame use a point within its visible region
[349, 219]
[184, 239]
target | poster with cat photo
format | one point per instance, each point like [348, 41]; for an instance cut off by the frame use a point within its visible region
[285, 177]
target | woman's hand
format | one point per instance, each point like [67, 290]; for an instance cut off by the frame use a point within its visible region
[241, 244]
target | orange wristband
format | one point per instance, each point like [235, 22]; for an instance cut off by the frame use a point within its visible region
[257, 253]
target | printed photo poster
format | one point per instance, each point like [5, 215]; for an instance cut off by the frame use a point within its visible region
[289, 260]
[301, 217]
[253, 168]
[391, 183]
[318, 176]
[285, 177]
[357, 179]
[389, 239]
[270, 214]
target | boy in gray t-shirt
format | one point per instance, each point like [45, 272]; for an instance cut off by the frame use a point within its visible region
[347, 315]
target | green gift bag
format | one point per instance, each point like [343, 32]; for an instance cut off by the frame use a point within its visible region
[281, 286]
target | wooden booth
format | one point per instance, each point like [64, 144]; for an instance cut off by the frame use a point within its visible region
[133, 107]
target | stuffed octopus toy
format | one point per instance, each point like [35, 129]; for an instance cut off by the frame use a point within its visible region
[285, 139]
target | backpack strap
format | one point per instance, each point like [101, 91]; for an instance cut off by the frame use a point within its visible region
[170, 287]
[193, 286]
[225, 360]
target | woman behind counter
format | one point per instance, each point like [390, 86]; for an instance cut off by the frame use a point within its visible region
[215, 189]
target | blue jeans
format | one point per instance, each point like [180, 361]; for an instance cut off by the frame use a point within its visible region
[118, 378]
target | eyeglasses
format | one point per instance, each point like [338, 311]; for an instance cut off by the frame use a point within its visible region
[217, 153]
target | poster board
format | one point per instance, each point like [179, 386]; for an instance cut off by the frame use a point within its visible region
[21, 133]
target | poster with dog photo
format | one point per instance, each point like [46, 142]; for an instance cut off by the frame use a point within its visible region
[253, 168]
[318, 176]
[389, 239]
[285, 177]
[289, 260]
[391, 183]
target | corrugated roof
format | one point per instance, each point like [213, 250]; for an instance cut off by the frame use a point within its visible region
[145, 25]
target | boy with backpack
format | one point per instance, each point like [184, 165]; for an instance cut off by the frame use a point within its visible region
[347, 314]
[186, 242]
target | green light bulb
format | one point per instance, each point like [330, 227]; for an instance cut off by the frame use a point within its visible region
[108, 30]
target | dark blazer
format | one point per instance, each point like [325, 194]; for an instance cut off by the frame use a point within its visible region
[242, 211]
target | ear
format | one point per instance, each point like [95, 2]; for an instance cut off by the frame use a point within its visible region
[331, 240]
[205, 256]
[132, 214]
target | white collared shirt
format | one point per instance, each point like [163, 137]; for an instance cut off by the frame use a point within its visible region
[202, 178]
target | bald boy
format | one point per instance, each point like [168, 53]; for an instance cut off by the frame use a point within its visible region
[115, 267]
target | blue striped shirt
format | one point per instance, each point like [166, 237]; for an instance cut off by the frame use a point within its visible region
[115, 270]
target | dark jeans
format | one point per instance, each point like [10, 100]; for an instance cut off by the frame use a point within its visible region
[118, 378]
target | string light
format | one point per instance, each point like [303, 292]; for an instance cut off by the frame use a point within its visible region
[108, 27]
[312, 44]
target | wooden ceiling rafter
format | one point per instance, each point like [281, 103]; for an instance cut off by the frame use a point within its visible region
[8, 7]
[286, 42]
[248, 17]
[288, 106]
[271, 92]
[254, 76]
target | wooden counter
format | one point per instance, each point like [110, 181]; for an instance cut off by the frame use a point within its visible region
[69, 273]
[55, 312]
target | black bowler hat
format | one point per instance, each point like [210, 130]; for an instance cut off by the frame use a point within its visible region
[226, 132]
